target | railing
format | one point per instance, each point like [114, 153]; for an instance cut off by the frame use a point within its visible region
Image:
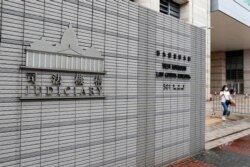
[242, 104]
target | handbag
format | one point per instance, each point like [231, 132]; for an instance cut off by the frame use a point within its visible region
[230, 101]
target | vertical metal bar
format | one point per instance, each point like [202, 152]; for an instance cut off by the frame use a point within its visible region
[218, 102]
[214, 103]
[237, 107]
[219, 107]
[239, 104]
[240, 99]
[244, 101]
[245, 106]
[248, 104]
[242, 104]
[236, 101]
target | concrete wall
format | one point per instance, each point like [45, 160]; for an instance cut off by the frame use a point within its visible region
[137, 124]
[218, 71]
[197, 12]
[151, 4]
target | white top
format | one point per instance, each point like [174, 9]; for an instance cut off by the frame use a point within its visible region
[224, 97]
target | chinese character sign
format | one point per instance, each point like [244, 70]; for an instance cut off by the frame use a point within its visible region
[72, 86]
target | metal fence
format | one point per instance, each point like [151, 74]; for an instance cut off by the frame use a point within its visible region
[242, 104]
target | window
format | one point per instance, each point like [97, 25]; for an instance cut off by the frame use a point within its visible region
[234, 65]
[234, 70]
[170, 8]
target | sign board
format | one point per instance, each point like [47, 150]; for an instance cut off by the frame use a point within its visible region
[86, 68]
[174, 71]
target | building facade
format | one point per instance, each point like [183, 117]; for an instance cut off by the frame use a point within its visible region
[99, 84]
[230, 45]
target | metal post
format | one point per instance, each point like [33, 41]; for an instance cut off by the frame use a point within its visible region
[214, 105]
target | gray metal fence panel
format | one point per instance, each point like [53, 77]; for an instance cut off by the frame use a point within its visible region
[138, 123]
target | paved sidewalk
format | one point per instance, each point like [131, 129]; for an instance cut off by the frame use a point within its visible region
[233, 154]
[219, 132]
[227, 143]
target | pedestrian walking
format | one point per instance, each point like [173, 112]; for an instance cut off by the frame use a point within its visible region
[225, 100]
